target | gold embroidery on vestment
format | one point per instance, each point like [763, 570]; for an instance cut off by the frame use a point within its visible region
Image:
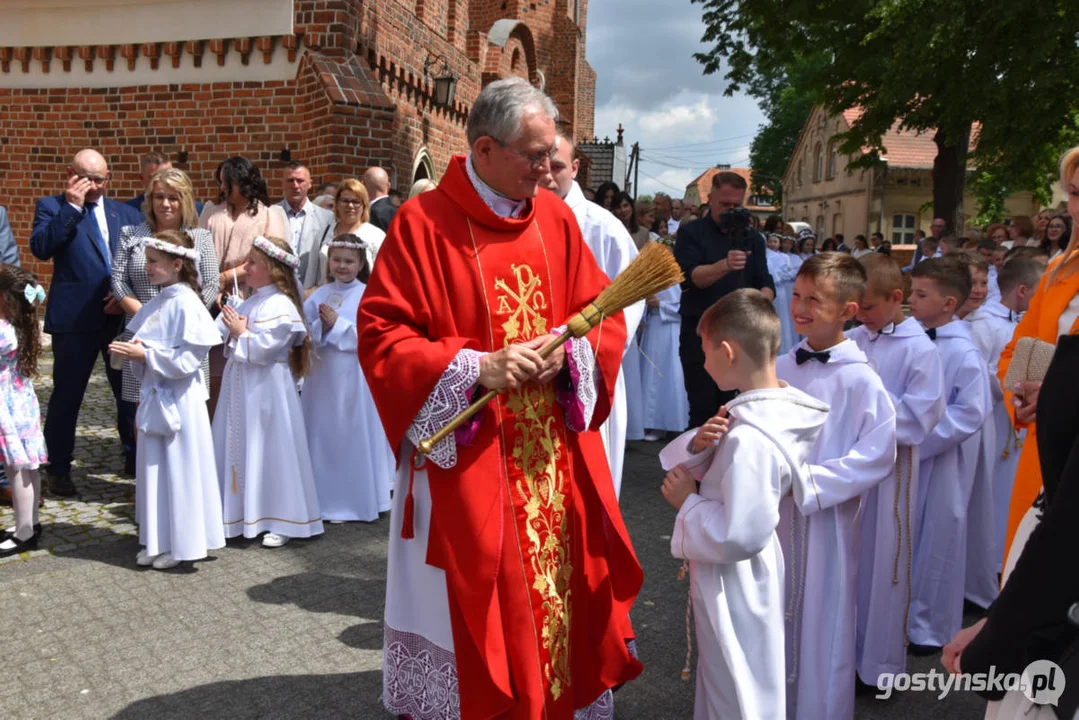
[537, 445]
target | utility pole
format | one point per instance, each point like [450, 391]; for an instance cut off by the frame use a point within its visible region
[635, 166]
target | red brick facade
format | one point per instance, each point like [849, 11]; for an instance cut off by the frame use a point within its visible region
[359, 97]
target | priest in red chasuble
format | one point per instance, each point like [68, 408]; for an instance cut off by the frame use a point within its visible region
[511, 573]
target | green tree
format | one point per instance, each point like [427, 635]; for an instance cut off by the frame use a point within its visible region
[786, 101]
[938, 66]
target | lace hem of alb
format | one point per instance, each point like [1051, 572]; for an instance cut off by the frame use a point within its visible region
[449, 398]
[419, 681]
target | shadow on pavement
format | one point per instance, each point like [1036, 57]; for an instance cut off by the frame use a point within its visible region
[280, 696]
[321, 593]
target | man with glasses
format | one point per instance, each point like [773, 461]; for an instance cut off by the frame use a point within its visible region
[509, 562]
[79, 230]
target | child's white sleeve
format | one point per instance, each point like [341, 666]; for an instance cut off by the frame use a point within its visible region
[174, 363]
[738, 524]
[966, 413]
[923, 401]
[342, 336]
[868, 462]
[264, 347]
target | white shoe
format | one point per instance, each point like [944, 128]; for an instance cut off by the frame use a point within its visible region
[165, 561]
[273, 540]
[145, 559]
[652, 437]
[336, 522]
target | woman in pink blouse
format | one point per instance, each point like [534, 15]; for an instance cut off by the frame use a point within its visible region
[244, 214]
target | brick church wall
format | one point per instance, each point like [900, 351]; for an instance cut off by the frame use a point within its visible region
[359, 98]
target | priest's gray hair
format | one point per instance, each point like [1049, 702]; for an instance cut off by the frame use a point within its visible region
[498, 111]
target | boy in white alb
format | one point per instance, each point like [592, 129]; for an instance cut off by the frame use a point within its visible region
[991, 328]
[726, 528]
[910, 367]
[981, 585]
[855, 452]
[949, 457]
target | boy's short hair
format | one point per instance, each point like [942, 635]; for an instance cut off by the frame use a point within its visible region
[747, 317]
[882, 273]
[951, 241]
[842, 269]
[1019, 271]
[973, 260]
[987, 244]
[950, 275]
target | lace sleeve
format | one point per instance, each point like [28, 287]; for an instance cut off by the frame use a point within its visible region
[577, 390]
[452, 395]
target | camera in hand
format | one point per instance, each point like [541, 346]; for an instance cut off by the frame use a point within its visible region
[735, 222]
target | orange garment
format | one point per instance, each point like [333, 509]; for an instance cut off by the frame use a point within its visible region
[1041, 320]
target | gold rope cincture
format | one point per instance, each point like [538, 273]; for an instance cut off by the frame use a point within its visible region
[686, 669]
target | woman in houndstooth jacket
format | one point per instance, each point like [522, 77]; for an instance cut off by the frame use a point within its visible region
[170, 205]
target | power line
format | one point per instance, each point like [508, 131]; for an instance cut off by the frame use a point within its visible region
[710, 142]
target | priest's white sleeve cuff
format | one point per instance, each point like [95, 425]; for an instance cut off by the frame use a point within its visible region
[451, 397]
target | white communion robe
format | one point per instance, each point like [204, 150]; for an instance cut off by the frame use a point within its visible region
[949, 458]
[614, 250]
[783, 267]
[819, 531]
[727, 532]
[178, 501]
[353, 464]
[263, 463]
[910, 367]
[663, 389]
[991, 328]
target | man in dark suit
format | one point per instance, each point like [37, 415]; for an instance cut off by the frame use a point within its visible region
[377, 184]
[79, 230]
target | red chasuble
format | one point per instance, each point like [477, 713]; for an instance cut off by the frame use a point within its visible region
[539, 567]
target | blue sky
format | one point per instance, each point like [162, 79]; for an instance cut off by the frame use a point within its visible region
[642, 51]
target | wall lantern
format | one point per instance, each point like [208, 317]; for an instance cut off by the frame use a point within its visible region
[445, 80]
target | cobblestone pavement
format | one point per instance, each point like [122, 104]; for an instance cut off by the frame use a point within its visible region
[288, 633]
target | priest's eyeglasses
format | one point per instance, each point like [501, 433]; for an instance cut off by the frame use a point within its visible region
[536, 161]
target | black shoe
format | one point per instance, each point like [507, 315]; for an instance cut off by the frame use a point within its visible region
[129, 465]
[924, 650]
[6, 534]
[62, 486]
[20, 546]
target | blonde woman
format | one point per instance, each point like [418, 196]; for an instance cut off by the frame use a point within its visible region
[169, 205]
[421, 186]
[352, 208]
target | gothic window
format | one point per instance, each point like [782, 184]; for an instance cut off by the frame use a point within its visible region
[818, 163]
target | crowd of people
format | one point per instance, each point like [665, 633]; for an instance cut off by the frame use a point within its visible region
[851, 477]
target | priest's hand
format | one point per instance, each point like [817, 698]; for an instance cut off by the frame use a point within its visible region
[550, 367]
[129, 350]
[954, 650]
[509, 367]
[236, 323]
[710, 433]
[677, 486]
[328, 316]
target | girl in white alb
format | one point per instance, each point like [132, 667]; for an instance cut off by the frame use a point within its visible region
[178, 502]
[354, 465]
[263, 462]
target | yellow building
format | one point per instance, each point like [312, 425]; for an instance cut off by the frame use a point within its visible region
[821, 189]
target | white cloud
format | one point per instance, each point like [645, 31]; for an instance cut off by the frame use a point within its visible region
[696, 119]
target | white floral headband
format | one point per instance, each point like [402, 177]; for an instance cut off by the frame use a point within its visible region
[282, 256]
[171, 249]
[348, 245]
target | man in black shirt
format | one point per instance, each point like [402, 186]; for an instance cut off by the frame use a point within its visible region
[713, 269]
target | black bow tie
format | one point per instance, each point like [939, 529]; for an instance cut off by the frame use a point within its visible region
[932, 333]
[802, 356]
